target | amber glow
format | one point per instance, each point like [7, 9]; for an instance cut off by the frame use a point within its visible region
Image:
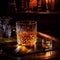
[24, 49]
[47, 1]
[21, 48]
[53, 4]
[26, 38]
[47, 55]
[33, 3]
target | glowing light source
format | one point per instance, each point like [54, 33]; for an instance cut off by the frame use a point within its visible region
[33, 3]
[23, 49]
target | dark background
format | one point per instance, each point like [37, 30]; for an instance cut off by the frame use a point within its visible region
[47, 23]
[3, 7]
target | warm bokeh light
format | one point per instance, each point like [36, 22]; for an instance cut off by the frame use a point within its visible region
[53, 4]
[24, 49]
[47, 55]
[26, 38]
[47, 1]
[33, 3]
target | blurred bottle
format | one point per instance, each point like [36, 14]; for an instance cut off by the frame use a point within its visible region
[6, 27]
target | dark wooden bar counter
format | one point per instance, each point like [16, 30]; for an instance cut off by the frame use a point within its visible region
[7, 50]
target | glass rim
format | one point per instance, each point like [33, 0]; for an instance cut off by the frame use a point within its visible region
[26, 22]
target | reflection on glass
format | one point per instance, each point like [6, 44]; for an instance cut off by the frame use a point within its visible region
[24, 49]
[26, 32]
[46, 55]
